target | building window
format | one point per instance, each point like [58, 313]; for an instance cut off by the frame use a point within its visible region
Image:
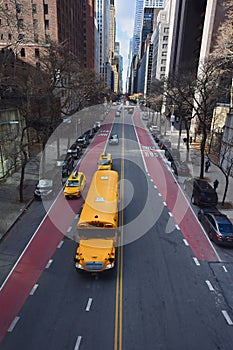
[22, 52]
[46, 9]
[162, 69]
[35, 24]
[0, 22]
[18, 8]
[37, 53]
[165, 38]
[20, 23]
[34, 8]
[36, 38]
[21, 37]
[164, 53]
[47, 38]
[1, 36]
[164, 46]
[166, 30]
[9, 36]
[163, 61]
[46, 24]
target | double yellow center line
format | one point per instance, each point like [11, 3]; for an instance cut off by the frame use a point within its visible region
[119, 279]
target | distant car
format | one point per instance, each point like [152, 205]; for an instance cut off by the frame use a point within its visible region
[44, 189]
[130, 110]
[164, 144]
[74, 185]
[217, 225]
[67, 166]
[113, 139]
[201, 192]
[75, 151]
[180, 168]
[83, 141]
[96, 126]
[172, 154]
[105, 161]
[145, 116]
[118, 114]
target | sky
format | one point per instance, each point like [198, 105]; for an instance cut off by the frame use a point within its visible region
[125, 13]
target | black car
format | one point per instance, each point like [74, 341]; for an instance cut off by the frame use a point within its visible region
[83, 141]
[201, 192]
[75, 151]
[164, 143]
[67, 166]
[172, 154]
[217, 225]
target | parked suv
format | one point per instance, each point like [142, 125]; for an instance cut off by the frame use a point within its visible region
[75, 151]
[201, 192]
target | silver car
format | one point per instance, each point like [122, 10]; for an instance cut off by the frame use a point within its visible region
[113, 139]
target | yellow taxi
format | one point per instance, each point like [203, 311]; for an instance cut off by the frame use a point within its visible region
[105, 161]
[74, 185]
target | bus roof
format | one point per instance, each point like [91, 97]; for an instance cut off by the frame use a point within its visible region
[101, 206]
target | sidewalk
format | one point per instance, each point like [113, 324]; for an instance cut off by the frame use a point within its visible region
[213, 173]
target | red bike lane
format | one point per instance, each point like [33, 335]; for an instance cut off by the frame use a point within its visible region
[173, 196]
[32, 262]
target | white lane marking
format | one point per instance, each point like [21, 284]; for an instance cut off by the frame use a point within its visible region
[196, 261]
[77, 216]
[155, 187]
[69, 229]
[227, 317]
[13, 324]
[49, 264]
[224, 268]
[185, 242]
[34, 289]
[78, 342]
[165, 204]
[170, 214]
[60, 244]
[159, 194]
[151, 180]
[211, 288]
[89, 304]
[178, 227]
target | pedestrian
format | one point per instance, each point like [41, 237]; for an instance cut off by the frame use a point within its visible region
[216, 182]
[207, 165]
[190, 140]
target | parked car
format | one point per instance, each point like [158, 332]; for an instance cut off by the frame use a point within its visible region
[96, 126]
[74, 185]
[75, 151]
[164, 144]
[113, 139]
[67, 166]
[201, 192]
[172, 154]
[90, 133]
[180, 168]
[83, 141]
[44, 189]
[153, 128]
[217, 225]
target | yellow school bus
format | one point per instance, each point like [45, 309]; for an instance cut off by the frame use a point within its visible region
[105, 161]
[98, 224]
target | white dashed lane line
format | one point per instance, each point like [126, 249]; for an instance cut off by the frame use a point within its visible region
[196, 261]
[89, 304]
[13, 324]
[211, 288]
[49, 264]
[34, 289]
[185, 242]
[78, 342]
[60, 244]
[227, 317]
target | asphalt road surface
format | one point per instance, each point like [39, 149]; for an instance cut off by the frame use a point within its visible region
[169, 290]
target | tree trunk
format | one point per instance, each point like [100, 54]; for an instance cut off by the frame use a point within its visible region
[203, 142]
[24, 162]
